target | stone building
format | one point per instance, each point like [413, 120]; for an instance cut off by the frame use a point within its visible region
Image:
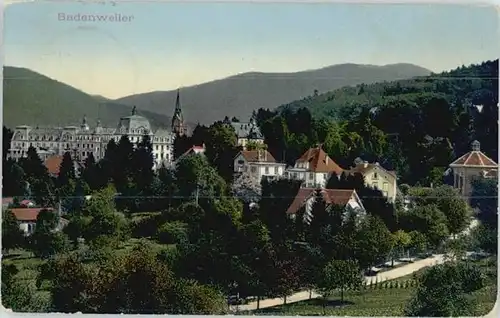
[82, 140]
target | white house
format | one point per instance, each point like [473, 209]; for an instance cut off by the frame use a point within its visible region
[26, 217]
[258, 163]
[314, 167]
[377, 177]
[306, 197]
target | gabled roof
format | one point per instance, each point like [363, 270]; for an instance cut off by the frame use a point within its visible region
[319, 161]
[474, 159]
[331, 196]
[53, 163]
[257, 156]
[194, 150]
[28, 214]
[365, 168]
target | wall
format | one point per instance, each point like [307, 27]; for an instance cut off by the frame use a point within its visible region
[382, 177]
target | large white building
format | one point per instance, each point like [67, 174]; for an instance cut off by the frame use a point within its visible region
[83, 140]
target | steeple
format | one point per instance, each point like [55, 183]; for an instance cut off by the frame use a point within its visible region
[84, 125]
[178, 120]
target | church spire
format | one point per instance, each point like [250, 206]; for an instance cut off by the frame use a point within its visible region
[178, 120]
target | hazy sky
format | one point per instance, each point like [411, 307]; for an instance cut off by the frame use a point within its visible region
[170, 45]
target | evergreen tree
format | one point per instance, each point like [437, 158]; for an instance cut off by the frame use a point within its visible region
[66, 171]
[12, 236]
[38, 178]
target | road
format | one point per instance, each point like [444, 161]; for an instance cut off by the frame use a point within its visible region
[387, 275]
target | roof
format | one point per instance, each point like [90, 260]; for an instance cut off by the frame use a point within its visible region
[474, 159]
[6, 201]
[319, 161]
[195, 150]
[364, 168]
[27, 214]
[26, 202]
[258, 156]
[331, 196]
[247, 130]
[53, 163]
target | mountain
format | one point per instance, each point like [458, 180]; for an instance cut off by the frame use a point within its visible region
[31, 98]
[241, 94]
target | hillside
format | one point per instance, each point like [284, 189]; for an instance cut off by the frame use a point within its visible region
[34, 99]
[241, 94]
[464, 83]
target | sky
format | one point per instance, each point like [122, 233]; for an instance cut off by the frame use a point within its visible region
[163, 46]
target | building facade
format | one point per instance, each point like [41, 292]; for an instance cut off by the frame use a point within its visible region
[314, 168]
[83, 140]
[305, 198]
[258, 164]
[247, 132]
[378, 178]
[474, 164]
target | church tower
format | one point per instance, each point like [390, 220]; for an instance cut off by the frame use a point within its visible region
[178, 126]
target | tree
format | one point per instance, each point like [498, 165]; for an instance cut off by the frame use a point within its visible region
[12, 236]
[246, 188]
[339, 274]
[66, 171]
[143, 163]
[38, 178]
[484, 197]
[47, 241]
[443, 291]
[90, 173]
[402, 241]
[374, 242]
[431, 222]
[14, 179]
[221, 148]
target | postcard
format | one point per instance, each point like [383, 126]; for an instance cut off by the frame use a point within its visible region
[250, 158]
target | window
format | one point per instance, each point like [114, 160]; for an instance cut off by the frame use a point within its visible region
[374, 176]
[276, 170]
[253, 169]
[267, 170]
[240, 162]
[311, 176]
[386, 186]
[375, 184]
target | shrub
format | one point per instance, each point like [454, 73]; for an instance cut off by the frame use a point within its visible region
[145, 224]
[173, 233]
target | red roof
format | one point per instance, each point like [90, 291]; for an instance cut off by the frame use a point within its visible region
[258, 156]
[331, 196]
[53, 163]
[195, 150]
[474, 159]
[319, 161]
[26, 202]
[27, 214]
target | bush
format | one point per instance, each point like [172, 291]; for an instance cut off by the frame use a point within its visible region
[173, 233]
[145, 224]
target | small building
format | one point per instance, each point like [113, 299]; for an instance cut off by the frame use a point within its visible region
[195, 150]
[258, 164]
[26, 218]
[348, 199]
[474, 164]
[314, 167]
[377, 177]
[247, 132]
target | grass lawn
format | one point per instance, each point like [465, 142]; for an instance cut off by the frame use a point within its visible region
[381, 302]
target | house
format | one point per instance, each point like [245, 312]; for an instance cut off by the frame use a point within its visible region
[474, 164]
[258, 163]
[348, 199]
[377, 177]
[247, 132]
[314, 167]
[195, 150]
[26, 218]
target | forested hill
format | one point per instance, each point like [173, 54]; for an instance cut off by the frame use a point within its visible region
[458, 85]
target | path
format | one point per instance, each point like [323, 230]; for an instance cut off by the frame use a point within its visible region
[387, 275]
[383, 276]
